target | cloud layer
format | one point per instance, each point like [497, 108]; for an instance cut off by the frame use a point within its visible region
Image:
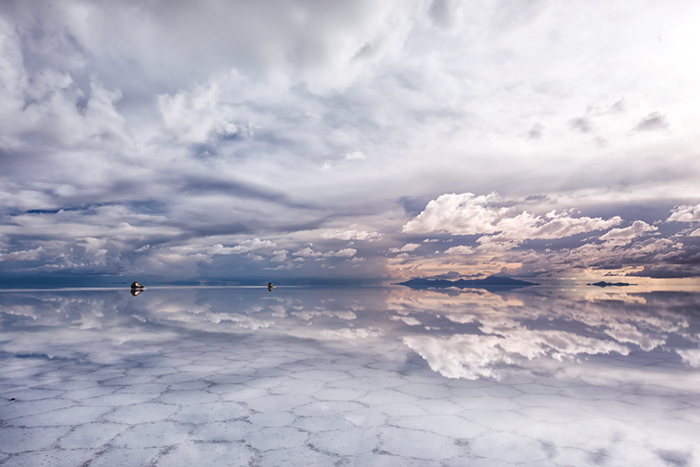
[220, 140]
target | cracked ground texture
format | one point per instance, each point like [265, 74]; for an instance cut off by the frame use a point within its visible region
[319, 377]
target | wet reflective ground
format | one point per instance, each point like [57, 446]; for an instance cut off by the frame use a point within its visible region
[370, 376]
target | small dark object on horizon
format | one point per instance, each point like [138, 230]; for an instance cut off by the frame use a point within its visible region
[611, 284]
[12, 398]
[270, 286]
[136, 288]
[494, 283]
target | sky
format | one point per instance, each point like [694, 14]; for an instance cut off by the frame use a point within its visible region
[231, 141]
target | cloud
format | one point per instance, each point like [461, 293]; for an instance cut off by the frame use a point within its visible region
[690, 356]
[581, 124]
[351, 235]
[196, 117]
[459, 250]
[306, 252]
[356, 155]
[624, 236]
[280, 256]
[467, 214]
[457, 214]
[192, 127]
[685, 213]
[528, 226]
[244, 247]
[535, 131]
[344, 253]
[474, 356]
[407, 247]
[653, 121]
[23, 255]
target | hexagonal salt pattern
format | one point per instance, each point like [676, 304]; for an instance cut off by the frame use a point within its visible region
[83, 383]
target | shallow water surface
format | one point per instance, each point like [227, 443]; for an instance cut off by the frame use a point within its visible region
[365, 376]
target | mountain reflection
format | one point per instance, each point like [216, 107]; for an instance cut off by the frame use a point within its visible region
[471, 334]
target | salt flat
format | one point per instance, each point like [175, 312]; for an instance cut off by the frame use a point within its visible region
[311, 376]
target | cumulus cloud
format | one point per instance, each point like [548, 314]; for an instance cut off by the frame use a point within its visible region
[459, 250]
[306, 252]
[407, 247]
[685, 213]
[624, 236]
[244, 247]
[279, 256]
[344, 253]
[22, 255]
[468, 214]
[458, 214]
[196, 116]
[528, 226]
[351, 234]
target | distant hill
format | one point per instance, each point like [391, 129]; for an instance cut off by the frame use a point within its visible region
[611, 284]
[489, 283]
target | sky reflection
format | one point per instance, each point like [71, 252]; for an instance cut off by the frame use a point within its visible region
[471, 334]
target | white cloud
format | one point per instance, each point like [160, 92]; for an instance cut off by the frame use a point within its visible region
[473, 356]
[458, 214]
[22, 255]
[280, 256]
[685, 213]
[351, 235]
[346, 315]
[625, 235]
[460, 250]
[243, 247]
[468, 214]
[357, 155]
[344, 253]
[406, 319]
[690, 356]
[407, 247]
[625, 332]
[198, 116]
[306, 252]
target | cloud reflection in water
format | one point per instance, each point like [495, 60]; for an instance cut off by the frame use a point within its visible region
[372, 376]
[466, 335]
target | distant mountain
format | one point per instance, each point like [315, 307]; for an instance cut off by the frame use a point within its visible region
[611, 284]
[489, 283]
